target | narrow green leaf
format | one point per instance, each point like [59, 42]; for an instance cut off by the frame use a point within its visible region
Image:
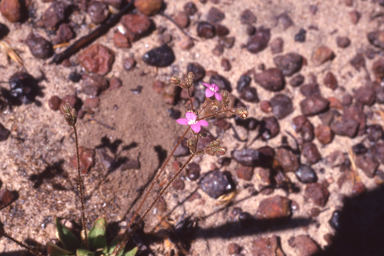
[66, 237]
[55, 250]
[131, 252]
[96, 236]
[84, 252]
[114, 243]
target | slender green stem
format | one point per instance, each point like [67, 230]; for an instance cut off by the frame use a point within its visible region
[81, 188]
[34, 252]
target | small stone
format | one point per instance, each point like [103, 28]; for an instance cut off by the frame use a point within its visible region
[359, 149]
[297, 80]
[313, 105]
[161, 205]
[247, 17]
[335, 103]
[206, 30]
[98, 11]
[378, 68]
[221, 81]
[87, 159]
[358, 188]
[121, 41]
[6, 197]
[221, 30]
[148, 7]
[244, 172]
[269, 127]
[162, 56]
[330, 80]
[243, 82]
[289, 63]
[182, 19]
[23, 89]
[218, 50]
[343, 41]
[253, 157]
[365, 95]
[54, 102]
[304, 128]
[273, 208]
[54, 15]
[367, 164]
[355, 112]
[321, 55]
[215, 184]
[310, 89]
[137, 26]
[358, 61]
[186, 43]
[347, 99]
[197, 70]
[115, 83]
[250, 30]
[227, 42]
[287, 159]
[313, 9]
[304, 245]
[190, 8]
[92, 102]
[97, 59]
[64, 34]
[4, 133]
[374, 132]
[277, 45]
[282, 106]
[165, 38]
[265, 106]
[178, 184]
[193, 171]
[345, 127]
[300, 36]
[336, 158]
[311, 153]
[378, 152]
[317, 192]
[324, 134]
[72, 100]
[271, 79]
[335, 221]
[215, 15]
[11, 10]
[94, 84]
[259, 41]
[129, 63]
[376, 38]
[285, 20]
[39, 46]
[267, 246]
[305, 174]
[225, 64]
[234, 248]
[314, 212]
[355, 16]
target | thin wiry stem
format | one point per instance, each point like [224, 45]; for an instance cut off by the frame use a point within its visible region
[81, 188]
[34, 252]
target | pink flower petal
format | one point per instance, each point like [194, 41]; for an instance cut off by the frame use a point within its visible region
[190, 116]
[209, 93]
[203, 123]
[215, 87]
[206, 85]
[182, 121]
[218, 96]
[196, 127]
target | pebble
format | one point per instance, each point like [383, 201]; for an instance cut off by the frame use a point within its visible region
[137, 26]
[23, 88]
[245, 219]
[348, 3]
[161, 205]
[174, 113]
[300, 36]
[215, 184]
[64, 34]
[354, 16]
[205, 30]
[218, 50]
[304, 128]
[289, 63]
[6, 197]
[224, 161]
[358, 188]
[297, 80]
[197, 70]
[335, 221]
[269, 127]
[314, 212]
[287, 159]
[121, 41]
[365, 95]
[282, 106]
[277, 45]
[359, 149]
[343, 41]
[221, 81]
[313, 105]
[54, 15]
[182, 19]
[215, 15]
[305, 174]
[243, 82]
[270, 79]
[190, 8]
[186, 43]
[97, 59]
[336, 158]
[115, 83]
[376, 38]
[148, 7]
[265, 106]
[11, 10]
[324, 134]
[355, 112]
[310, 89]
[225, 64]
[267, 246]
[330, 80]
[358, 61]
[178, 184]
[374, 132]
[367, 164]
[221, 30]
[285, 20]
[259, 41]
[4, 133]
[193, 171]
[334, 103]
[244, 172]
[92, 102]
[317, 192]
[321, 55]
[311, 153]
[378, 68]
[345, 127]
[247, 17]
[162, 56]
[94, 84]
[250, 30]
[39, 46]
[254, 157]
[129, 63]
[234, 248]
[98, 11]
[54, 102]
[249, 94]
[71, 100]
[273, 208]
[378, 152]
[346, 100]
[304, 245]
[87, 159]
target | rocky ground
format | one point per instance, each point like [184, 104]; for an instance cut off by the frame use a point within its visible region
[302, 175]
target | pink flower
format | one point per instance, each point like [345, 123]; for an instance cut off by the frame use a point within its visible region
[191, 120]
[212, 89]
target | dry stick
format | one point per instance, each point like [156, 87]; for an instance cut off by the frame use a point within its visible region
[125, 236]
[81, 188]
[34, 252]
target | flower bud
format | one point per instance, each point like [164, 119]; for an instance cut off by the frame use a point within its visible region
[224, 94]
[190, 76]
[192, 144]
[221, 151]
[214, 107]
[241, 112]
[175, 80]
[69, 113]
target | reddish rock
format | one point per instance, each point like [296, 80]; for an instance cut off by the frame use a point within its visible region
[343, 41]
[54, 102]
[244, 172]
[121, 40]
[355, 16]
[289, 63]
[259, 41]
[330, 80]
[39, 46]
[64, 34]
[274, 207]
[321, 55]
[137, 25]
[97, 59]
[367, 164]
[115, 83]
[94, 84]
[11, 10]
[313, 105]
[206, 30]
[148, 7]
[304, 245]
[54, 15]
[87, 159]
[277, 45]
[271, 79]
[92, 102]
[358, 61]
[98, 11]
[287, 159]
[317, 193]
[72, 100]
[378, 69]
[376, 38]
[234, 248]
[324, 134]
[182, 19]
[6, 197]
[129, 63]
[265, 106]
[269, 127]
[267, 246]
[215, 15]
[304, 128]
[365, 95]
[311, 153]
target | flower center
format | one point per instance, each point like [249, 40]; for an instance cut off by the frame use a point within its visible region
[192, 121]
[212, 88]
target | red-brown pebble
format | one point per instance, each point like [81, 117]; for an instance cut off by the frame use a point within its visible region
[330, 80]
[274, 207]
[129, 63]
[304, 245]
[317, 192]
[182, 19]
[87, 159]
[267, 246]
[97, 59]
[115, 83]
[265, 106]
[54, 102]
[311, 153]
[11, 10]
[121, 40]
[92, 102]
[244, 172]
[148, 7]
[226, 64]
[137, 25]
[321, 55]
